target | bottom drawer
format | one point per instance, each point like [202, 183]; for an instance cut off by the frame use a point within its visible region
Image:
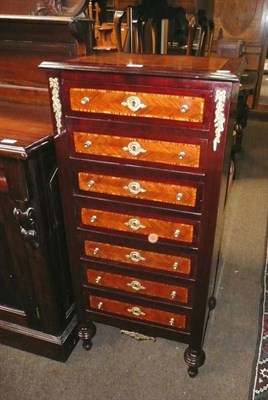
[174, 320]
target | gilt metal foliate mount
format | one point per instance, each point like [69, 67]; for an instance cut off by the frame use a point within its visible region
[219, 120]
[56, 104]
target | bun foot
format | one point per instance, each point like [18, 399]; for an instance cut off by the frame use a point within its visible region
[192, 371]
[86, 332]
[211, 303]
[194, 359]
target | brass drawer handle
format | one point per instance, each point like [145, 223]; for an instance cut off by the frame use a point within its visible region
[133, 103]
[175, 266]
[100, 305]
[95, 251]
[93, 219]
[134, 188]
[98, 279]
[172, 322]
[135, 285]
[134, 224]
[177, 233]
[179, 196]
[182, 155]
[134, 148]
[135, 256]
[91, 183]
[173, 294]
[85, 100]
[184, 108]
[136, 311]
[87, 144]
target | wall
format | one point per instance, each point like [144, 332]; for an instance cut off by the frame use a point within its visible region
[246, 22]
[20, 7]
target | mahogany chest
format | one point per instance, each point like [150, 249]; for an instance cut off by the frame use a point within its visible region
[143, 148]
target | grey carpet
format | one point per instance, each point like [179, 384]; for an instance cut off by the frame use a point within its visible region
[119, 367]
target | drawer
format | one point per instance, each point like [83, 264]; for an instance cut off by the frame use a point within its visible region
[174, 320]
[183, 195]
[134, 257]
[152, 228]
[138, 104]
[164, 152]
[175, 293]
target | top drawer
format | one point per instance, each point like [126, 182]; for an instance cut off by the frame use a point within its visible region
[184, 106]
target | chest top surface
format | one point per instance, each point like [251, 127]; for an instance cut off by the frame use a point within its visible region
[212, 68]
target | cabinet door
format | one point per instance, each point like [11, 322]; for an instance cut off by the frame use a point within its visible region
[14, 282]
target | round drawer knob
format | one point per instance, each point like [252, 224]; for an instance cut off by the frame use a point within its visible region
[184, 108]
[182, 155]
[179, 196]
[90, 183]
[175, 266]
[93, 219]
[95, 251]
[87, 144]
[85, 100]
[177, 233]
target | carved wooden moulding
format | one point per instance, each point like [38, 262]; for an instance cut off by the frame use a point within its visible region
[61, 7]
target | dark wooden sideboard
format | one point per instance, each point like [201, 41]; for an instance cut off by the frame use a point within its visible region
[37, 311]
[143, 146]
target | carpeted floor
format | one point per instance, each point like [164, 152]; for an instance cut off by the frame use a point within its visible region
[119, 368]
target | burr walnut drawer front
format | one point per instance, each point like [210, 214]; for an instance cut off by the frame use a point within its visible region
[171, 153]
[142, 258]
[138, 104]
[142, 313]
[150, 227]
[175, 293]
[179, 194]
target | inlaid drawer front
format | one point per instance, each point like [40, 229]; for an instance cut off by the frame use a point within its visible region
[178, 321]
[149, 105]
[147, 190]
[152, 228]
[180, 154]
[156, 261]
[178, 294]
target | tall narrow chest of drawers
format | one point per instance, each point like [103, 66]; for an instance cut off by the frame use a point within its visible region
[143, 149]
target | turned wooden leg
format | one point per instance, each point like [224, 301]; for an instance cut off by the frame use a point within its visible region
[194, 359]
[85, 333]
[211, 303]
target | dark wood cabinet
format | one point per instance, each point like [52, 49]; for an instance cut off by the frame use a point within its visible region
[143, 146]
[36, 299]
[37, 311]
